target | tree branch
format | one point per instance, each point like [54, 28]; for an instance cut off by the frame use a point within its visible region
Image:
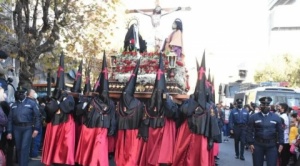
[25, 5]
[17, 17]
[46, 6]
[35, 17]
[49, 44]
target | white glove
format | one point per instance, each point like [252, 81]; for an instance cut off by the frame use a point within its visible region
[64, 98]
[58, 102]
[84, 105]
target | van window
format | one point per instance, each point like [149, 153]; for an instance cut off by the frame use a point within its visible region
[292, 99]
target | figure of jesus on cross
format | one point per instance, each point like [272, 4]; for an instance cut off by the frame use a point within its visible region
[155, 19]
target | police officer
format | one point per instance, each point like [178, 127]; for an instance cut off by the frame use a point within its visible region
[238, 120]
[264, 131]
[24, 119]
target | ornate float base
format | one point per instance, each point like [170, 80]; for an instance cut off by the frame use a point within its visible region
[172, 87]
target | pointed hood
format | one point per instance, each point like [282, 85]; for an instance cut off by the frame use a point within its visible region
[60, 80]
[87, 85]
[130, 86]
[208, 88]
[159, 86]
[199, 93]
[97, 84]
[160, 80]
[127, 98]
[213, 90]
[78, 79]
[103, 85]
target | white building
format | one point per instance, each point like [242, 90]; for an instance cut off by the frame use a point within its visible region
[284, 30]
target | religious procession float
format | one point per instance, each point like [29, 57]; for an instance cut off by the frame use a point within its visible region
[135, 47]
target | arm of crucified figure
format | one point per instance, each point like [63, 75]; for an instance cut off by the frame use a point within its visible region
[177, 9]
[137, 11]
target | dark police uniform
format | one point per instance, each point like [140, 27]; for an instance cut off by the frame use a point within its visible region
[23, 118]
[264, 132]
[238, 120]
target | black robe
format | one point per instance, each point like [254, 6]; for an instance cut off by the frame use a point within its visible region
[66, 107]
[101, 114]
[156, 118]
[130, 113]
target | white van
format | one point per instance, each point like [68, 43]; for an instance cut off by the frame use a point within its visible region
[278, 95]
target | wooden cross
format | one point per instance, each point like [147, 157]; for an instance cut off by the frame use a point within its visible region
[155, 15]
[168, 10]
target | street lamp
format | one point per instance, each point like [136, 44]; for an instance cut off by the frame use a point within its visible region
[172, 57]
[113, 65]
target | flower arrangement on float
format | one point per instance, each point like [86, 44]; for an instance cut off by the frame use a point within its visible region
[123, 64]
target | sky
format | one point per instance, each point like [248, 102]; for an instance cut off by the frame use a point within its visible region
[233, 33]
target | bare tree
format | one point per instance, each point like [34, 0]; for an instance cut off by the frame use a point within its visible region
[33, 38]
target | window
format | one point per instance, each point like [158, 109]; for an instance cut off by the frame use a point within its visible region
[292, 99]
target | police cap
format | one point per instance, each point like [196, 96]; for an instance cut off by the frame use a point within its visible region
[3, 55]
[265, 100]
[239, 101]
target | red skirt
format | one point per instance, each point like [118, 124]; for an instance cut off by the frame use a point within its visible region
[216, 149]
[92, 147]
[160, 145]
[111, 144]
[191, 149]
[77, 134]
[128, 148]
[59, 143]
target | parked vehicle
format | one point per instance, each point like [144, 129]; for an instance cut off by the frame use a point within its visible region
[278, 95]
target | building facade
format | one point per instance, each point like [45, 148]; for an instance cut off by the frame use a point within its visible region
[284, 26]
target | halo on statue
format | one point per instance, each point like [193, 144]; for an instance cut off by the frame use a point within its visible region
[132, 20]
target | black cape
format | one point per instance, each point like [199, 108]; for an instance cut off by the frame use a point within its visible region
[66, 106]
[99, 114]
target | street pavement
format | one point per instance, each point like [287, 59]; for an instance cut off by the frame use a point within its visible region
[226, 155]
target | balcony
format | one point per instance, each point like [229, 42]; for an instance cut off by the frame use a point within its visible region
[285, 18]
[273, 3]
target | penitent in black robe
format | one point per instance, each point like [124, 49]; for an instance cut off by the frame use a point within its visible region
[59, 143]
[197, 129]
[99, 123]
[130, 114]
[162, 132]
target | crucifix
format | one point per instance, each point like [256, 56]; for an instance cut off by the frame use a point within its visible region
[155, 19]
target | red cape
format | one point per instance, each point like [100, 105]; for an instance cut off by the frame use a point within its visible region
[160, 145]
[128, 148]
[78, 128]
[59, 143]
[111, 144]
[191, 149]
[92, 147]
